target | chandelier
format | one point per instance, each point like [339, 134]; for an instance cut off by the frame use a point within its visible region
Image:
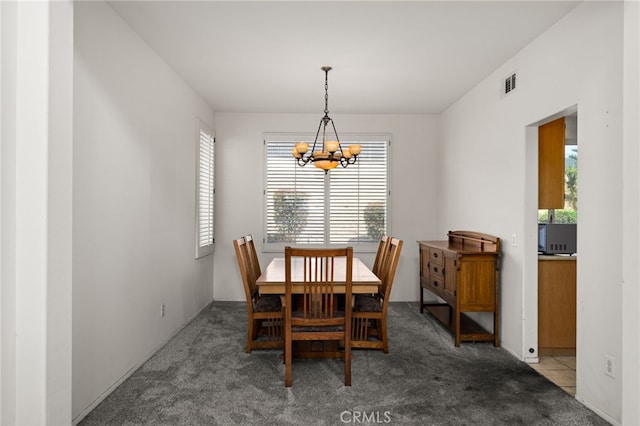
[332, 153]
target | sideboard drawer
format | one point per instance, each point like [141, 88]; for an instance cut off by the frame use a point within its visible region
[436, 256]
[437, 284]
[435, 269]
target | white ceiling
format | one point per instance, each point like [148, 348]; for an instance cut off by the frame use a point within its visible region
[387, 57]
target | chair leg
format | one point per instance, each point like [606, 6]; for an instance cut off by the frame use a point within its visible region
[288, 358]
[250, 333]
[383, 331]
[347, 353]
[347, 369]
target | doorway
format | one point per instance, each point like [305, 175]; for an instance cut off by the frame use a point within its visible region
[552, 283]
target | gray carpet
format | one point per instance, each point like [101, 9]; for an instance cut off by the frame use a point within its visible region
[203, 377]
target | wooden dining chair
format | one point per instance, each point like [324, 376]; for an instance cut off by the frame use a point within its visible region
[317, 315]
[383, 245]
[253, 256]
[369, 329]
[265, 320]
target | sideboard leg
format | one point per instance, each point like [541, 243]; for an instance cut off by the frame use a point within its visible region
[457, 319]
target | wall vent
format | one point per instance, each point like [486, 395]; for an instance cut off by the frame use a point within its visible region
[509, 84]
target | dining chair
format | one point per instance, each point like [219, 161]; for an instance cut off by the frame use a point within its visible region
[370, 312]
[265, 319]
[253, 256]
[383, 244]
[317, 315]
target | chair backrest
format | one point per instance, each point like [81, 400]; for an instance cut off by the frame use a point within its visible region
[388, 269]
[383, 244]
[253, 256]
[246, 273]
[317, 304]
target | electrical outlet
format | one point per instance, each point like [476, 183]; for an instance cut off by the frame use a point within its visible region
[610, 366]
[161, 309]
[514, 240]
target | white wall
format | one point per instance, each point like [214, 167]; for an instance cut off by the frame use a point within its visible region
[239, 186]
[487, 163]
[36, 121]
[133, 208]
[631, 216]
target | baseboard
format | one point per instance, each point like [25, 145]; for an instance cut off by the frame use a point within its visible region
[511, 351]
[597, 411]
[77, 419]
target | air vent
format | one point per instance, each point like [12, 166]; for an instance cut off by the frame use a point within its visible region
[509, 84]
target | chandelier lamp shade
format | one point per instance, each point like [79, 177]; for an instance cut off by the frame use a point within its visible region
[331, 153]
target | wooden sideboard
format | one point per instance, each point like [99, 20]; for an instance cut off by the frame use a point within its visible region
[464, 272]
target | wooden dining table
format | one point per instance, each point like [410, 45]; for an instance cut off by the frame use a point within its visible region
[272, 280]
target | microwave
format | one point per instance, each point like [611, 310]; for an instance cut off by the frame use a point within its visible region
[557, 238]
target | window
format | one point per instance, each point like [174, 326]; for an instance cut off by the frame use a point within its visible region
[305, 206]
[570, 212]
[205, 191]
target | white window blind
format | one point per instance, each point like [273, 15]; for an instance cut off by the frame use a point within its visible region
[205, 192]
[347, 206]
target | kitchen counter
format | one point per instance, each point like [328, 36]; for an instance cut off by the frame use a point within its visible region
[557, 256]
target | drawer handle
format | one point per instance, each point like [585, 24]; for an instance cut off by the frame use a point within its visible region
[435, 283]
[435, 254]
[435, 269]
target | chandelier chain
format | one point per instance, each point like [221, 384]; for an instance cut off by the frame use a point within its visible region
[326, 92]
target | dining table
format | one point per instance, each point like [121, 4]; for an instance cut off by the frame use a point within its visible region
[272, 280]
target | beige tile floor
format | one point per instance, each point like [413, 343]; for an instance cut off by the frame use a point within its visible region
[561, 370]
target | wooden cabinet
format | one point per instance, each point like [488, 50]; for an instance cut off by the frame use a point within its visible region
[556, 305]
[463, 272]
[551, 165]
